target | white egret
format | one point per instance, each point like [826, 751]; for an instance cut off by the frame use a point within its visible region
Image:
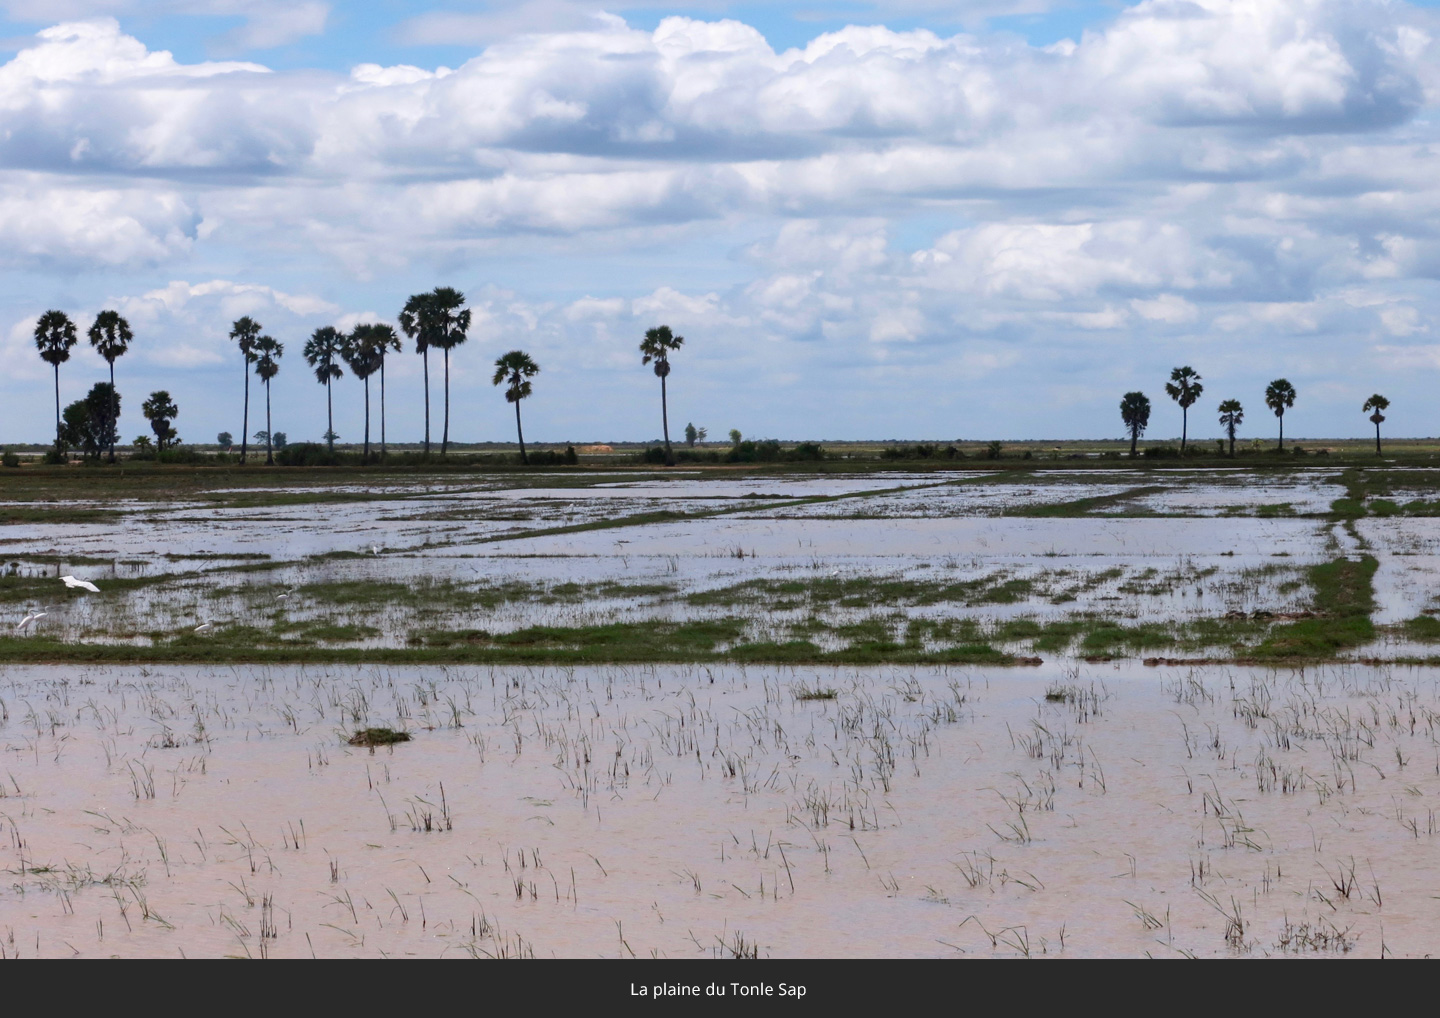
[72, 582]
[29, 618]
[375, 548]
[202, 627]
[286, 595]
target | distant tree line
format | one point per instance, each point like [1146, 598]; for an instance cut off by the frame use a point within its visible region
[1185, 389]
[440, 320]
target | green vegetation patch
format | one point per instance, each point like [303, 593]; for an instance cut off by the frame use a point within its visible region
[1344, 597]
[866, 592]
[1095, 505]
[1423, 629]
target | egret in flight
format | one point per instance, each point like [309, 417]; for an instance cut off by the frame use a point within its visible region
[72, 582]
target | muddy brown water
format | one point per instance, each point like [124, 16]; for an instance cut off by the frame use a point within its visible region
[1077, 811]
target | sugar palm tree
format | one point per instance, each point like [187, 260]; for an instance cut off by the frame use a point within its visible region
[382, 339]
[1377, 403]
[656, 346]
[160, 410]
[110, 335]
[451, 321]
[1279, 397]
[517, 369]
[1184, 388]
[1135, 412]
[363, 353]
[54, 336]
[323, 350]
[1231, 416]
[245, 331]
[417, 321]
[267, 366]
[386, 343]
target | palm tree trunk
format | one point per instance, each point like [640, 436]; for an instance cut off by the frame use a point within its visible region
[245, 417]
[367, 418]
[1184, 426]
[1232, 445]
[665, 422]
[1282, 432]
[1134, 437]
[382, 406]
[445, 434]
[58, 433]
[114, 412]
[1377, 439]
[425, 358]
[521, 434]
[329, 418]
[269, 435]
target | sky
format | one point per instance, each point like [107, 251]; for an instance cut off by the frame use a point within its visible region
[973, 219]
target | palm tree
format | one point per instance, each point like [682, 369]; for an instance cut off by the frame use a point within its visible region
[1135, 412]
[324, 347]
[363, 353]
[267, 366]
[416, 321]
[110, 335]
[517, 368]
[451, 325]
[656, 346]
[160, 410]
[1279, 397]
[1231, 416]
[54, 336]
[382, 340]
[244, 331]
[1184, 388]
[1377, 403]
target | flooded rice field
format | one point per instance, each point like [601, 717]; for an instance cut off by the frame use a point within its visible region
[834, 563]
[684, 811]
[993, 713]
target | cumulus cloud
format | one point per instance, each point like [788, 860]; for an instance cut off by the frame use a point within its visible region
[1250, 174]
[64, 226]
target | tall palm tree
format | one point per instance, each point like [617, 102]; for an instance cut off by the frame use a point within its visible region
[245, 331]
[323, 349]
[656, 346]
[517, 369]
[1376, 403]
[1135, 412]
[416, 319]
[267, 366]
[110, 335]
[1184, 388]
[363, 353]
[54, 336]
[1279, 397]
[1231, 416]
[382, 339]
[452, 324]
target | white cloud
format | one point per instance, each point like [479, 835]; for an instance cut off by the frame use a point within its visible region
[70, 225]
[1167, 307]
[942, 205]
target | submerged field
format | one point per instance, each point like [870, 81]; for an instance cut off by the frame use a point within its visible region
[994, 567]
[684, 811]
[1013, 711]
